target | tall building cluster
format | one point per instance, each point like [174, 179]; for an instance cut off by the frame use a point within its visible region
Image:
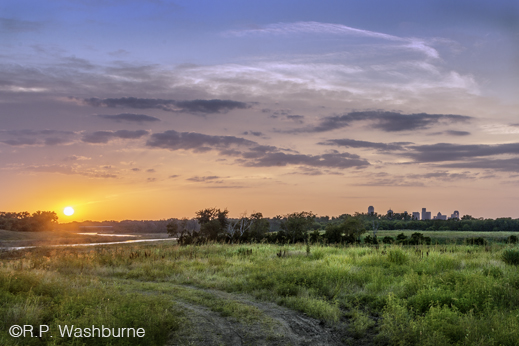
[425, 215]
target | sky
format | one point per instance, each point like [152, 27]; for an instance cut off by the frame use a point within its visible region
[154, 109]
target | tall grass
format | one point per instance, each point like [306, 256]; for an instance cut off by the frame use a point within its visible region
[426, 295]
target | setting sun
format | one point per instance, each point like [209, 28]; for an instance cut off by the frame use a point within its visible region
[68, 211]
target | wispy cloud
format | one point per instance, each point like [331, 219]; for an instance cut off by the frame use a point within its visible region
[287, 29]
[71, 170]
[102, 137]
[36, 137]
[352, 143]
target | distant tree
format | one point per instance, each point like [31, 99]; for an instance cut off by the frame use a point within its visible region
[296, 225]
[239, 229]
[213, 223]
[348, 231]
[185, 230]
[43, 221]
[259, 228]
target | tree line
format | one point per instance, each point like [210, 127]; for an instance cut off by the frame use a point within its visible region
[26, 222]
[213, 224]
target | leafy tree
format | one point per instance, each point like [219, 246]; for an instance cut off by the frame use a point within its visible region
[296, 225]
[187, 231]
[44, 220]
[213, 223]
[348, 231]
[260, 226]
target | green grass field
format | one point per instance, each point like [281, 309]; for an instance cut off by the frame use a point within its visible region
[417, 295]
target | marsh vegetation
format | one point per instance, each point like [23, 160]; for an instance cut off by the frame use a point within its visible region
[385, 294]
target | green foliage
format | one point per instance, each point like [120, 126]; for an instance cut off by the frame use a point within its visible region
[25, 222]
[455, 295]
[387, 240]
[315, 237]
[296, 225]
[397, 256]
[512, 239]
[347, 231]
[476, 241]
[511, 256]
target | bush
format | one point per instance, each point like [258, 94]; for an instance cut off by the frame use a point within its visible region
[511, 257]
[387, 240]
[476, 241]
[397, 256]
[512, 239]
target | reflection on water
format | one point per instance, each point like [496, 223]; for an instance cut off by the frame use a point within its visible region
[90, 244]
[111, 235]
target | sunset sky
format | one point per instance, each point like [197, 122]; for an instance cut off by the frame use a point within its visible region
[155, 109]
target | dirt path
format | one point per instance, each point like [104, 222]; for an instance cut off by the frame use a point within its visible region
[284, 326]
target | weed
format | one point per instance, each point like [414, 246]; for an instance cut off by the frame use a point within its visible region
[511, 256]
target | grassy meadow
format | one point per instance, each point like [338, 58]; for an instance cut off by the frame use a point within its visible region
[414, 295]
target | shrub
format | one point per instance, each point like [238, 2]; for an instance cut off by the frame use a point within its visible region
[476, 241]
[387, 240]
[512, 239]
[511, 257]
[397, 256]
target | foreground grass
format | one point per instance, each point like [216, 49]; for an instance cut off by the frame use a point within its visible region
[424, 295]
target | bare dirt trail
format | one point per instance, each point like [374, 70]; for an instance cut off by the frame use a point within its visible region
[285, 326]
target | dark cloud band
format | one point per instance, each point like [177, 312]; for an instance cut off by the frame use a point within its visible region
[386, 121]
[137, 118]
[193, 106]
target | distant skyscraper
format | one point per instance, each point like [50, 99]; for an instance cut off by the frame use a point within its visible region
[371, 210]
[426, 215]
[455, 215]
[416, 215]
[439, 216]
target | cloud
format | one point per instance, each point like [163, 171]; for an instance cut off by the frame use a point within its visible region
[503, 165]
[253, 133]
[151, 170]
[333, 160]
[291, 29]
[193, 106]
[450, 133]
[210, 178]
[12, 25]
[76, 158]
[71, 170]
[249, 153]
[457, 152]
[296, 118]
[385, 121]
[106, 136]
[138, 118]
[457, 133]
[352, 143]
[36, 137]
[197, 142]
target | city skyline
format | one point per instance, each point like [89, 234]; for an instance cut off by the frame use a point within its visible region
[156, 109]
